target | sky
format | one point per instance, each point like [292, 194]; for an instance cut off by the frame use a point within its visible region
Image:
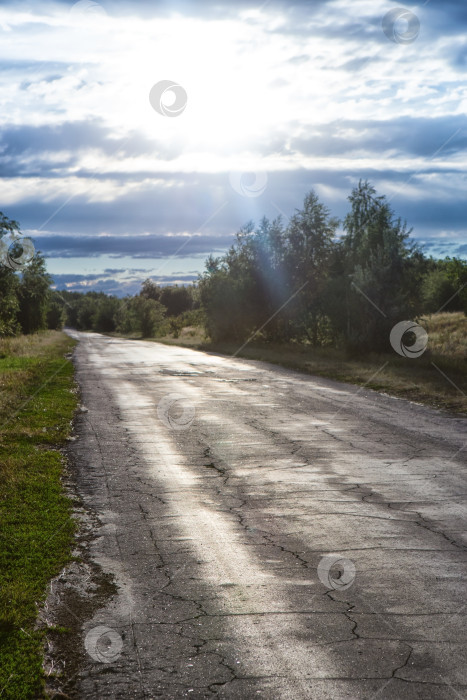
[137, 137]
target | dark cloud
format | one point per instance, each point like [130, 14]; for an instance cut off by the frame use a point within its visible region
[418, 136]
[208, 9]
[445, 17]
[137, 246]
[23, 148]
[26, 150]
[442, 15]
[88, 283]
[119, 287]
[206, 204]
[157, 210]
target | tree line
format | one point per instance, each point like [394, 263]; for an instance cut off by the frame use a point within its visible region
[306, 281]
[29, 304]
[155, 311]
[302, 282]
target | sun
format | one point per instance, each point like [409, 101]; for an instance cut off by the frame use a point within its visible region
[197, 88]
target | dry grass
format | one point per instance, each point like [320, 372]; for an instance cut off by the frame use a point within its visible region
[32, 345]
[447, 335]
[190, 337]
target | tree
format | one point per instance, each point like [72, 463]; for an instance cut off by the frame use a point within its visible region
[87, 309]
[230, 293]
[377, 267]
[9, 304]
[445, 286]
[272, 278]
[106, 314]
[437, 290]
[70, 304]
[55, 312]
[221, 298]
[175, 299]
[146, 315]
[33, 295]
[150, 290]
[310, 239]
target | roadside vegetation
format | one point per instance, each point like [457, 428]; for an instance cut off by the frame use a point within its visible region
[37, 402]
[302, 296]
[315, 281]
[317, 294]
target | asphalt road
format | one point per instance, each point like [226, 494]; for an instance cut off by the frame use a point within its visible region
[271, 534]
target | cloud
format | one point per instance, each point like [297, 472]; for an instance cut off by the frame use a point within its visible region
[119, 285]
[206, 207]
[409, 135]
[311, 93]
[136, 246]
[28, 150]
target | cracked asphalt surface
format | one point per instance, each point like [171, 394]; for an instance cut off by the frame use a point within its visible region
[214, 531]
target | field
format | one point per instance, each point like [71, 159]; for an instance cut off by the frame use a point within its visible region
[37, 402]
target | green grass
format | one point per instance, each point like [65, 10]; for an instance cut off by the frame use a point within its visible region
[37, 402]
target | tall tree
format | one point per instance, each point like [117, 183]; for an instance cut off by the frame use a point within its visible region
[146, 315]
[33, 295]
[310, 238]
[150, 290]
[8, 281]
[176, 299]
[378, 267]
[105, 318]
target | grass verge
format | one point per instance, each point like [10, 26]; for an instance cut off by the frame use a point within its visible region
[37, 402]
